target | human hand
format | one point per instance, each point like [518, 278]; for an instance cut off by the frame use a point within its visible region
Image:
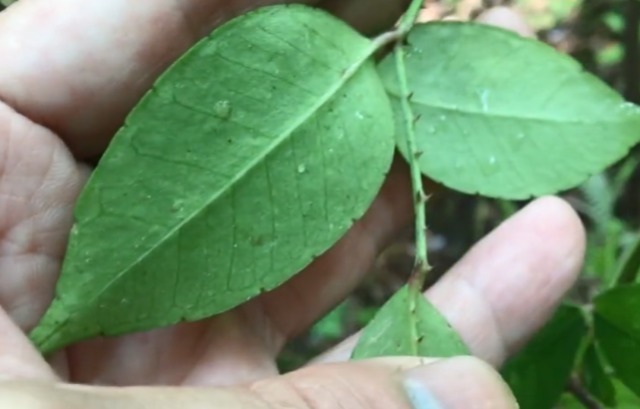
[69, 75]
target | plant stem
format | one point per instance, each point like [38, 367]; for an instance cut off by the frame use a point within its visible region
[628, 273]
[421, 267]
[410, 16]
[580, 393]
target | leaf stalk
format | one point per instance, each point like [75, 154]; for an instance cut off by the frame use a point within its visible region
[410, 17]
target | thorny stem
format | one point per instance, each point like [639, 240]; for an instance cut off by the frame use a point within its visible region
[421, 267]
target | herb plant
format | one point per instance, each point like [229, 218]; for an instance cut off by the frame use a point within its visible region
[289, 110]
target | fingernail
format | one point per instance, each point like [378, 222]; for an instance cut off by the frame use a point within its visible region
[419, 395]
[457, 383]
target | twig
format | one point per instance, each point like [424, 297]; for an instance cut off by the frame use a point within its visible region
[421, 267]
[582, 395]
[410, 17]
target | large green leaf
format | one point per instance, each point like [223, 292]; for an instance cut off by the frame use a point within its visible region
[506, 116]
[538, 374]
[252, 155]
[617, 326]
[408, 325]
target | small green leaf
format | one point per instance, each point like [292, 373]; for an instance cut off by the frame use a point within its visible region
[629, 268]
[595, 378]
[626, 398]
[408, 325]
[505, 116]
[538, 374]
[568, 401]
[251, 155]
[617, 326]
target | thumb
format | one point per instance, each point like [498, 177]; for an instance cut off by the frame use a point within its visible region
[18, 358]
[507, 18]
[402, 383]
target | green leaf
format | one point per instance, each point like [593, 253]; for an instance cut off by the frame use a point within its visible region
[595, 377]
[629, 268]
[505, 116]
[538, 374]
[617, 326]
[568, 401]
[626, 398]
[408, 325]
[251, 155]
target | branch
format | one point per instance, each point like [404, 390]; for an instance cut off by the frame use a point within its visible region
[421, 266]
[582, 395]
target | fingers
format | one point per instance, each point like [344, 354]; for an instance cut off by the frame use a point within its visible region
[507, 18]
[406, 383]
[78, 70]
[509, 284]
[18, 359]
[403, 383]
[39, 182]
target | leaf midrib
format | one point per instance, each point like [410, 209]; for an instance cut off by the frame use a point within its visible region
[499, 115]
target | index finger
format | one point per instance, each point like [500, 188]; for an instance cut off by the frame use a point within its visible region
[506, 287]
